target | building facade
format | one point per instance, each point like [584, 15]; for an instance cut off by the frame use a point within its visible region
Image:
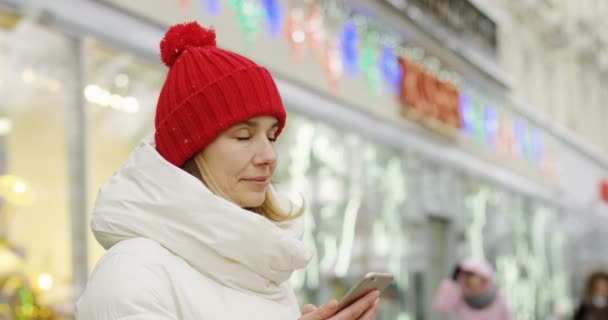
[398, 175]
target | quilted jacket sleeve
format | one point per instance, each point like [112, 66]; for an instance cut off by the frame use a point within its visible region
[126, 288]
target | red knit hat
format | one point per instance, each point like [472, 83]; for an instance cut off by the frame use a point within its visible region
[207, 91]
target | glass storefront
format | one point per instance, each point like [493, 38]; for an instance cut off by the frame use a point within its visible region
[524, 239]
[35, 81]
[356, 193]
[369, 206]
[120, 93]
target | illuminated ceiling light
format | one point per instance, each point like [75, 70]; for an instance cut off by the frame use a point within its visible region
[28, 76]
[45, 282]
[91, 93]
[130, 105]
[298, 36]
[19, 187]
[121, 80]
[115, 102]
[15, 190]
[6, 126]
[104, 98]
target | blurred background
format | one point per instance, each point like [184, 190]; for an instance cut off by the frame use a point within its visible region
[419, 132]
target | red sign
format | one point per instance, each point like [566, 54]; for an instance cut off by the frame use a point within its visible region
[604, 190]
[424, 95]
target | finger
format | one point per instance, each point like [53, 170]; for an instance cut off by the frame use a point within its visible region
[308, 309]
[325, 311]
[371, 312]
[355, 310]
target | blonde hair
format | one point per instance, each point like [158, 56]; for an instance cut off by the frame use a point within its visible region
[270, 208]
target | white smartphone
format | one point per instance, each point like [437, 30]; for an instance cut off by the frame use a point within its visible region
[369, 282]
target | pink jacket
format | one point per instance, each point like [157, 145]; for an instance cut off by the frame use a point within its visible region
[449, 297]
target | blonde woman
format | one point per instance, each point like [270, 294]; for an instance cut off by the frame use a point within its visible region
[192, 226]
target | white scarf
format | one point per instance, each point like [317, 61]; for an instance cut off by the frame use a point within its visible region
[149, 197]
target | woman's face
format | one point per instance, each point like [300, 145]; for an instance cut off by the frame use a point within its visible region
[242, 160]
[601, 288]
[475, 285]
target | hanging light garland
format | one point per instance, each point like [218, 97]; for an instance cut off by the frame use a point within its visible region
[350, 48]
[351, 45]
[391, 71]
[274, 15]
[362, 49]
[184, 5]
[490, 121]
[334, 69]
[370, 64]
[308, 24]
[315, 27]
[295, 32]
[214, 7]
[250, 17]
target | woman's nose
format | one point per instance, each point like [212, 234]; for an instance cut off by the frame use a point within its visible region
[266, 154]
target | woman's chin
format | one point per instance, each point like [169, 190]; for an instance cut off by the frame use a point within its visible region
[252, 200]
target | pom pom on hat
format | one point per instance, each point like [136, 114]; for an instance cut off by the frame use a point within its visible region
[181, 36]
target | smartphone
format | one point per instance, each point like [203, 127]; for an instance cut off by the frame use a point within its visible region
[369, 282]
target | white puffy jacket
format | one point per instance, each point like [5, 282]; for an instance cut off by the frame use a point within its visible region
[177, 251]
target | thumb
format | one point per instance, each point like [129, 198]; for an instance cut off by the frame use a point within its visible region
[308, 309]
[328, 309]
[323, 312]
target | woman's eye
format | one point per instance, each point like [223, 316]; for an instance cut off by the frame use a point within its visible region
[272, 139]
[243, 138]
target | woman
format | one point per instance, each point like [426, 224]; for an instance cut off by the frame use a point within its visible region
[192, 226]
[471, 293]
[595, 300]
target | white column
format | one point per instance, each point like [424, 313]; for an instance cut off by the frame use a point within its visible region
[76, 141]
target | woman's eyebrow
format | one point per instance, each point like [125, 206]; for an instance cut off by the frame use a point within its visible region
[255, 124]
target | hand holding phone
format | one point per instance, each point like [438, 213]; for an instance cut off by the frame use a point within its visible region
[370, 282]
[357, 303]
[364, 308]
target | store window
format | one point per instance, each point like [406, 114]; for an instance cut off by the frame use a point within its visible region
[355, 193]
[35, 252]
[121, 92]
[523, 240]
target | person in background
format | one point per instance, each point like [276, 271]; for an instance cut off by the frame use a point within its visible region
[471, 293]
[594, 305]
[192, 225]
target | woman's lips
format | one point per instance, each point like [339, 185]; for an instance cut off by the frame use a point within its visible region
[258, 181]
